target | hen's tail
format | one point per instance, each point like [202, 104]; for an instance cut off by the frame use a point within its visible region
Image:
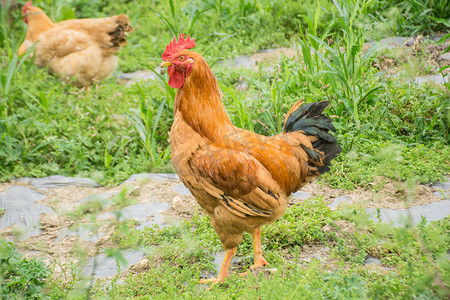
[309, 119]
[110, 33]
[119, 33]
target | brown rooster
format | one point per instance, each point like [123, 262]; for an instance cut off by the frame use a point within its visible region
[83, 49]
[241, 179]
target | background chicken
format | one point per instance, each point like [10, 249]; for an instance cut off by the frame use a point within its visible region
[83, 49]
[241, 179]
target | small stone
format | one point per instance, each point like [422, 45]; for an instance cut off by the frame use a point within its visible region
[442, 185]
[151, 176]
[181, 189]
[372, 261]
[145, 213]
[49, 220]
[103, 266]
[103, 198]
[265, 271]
[243, 61]
[430, 78]
[177, 201]
[399, 217]
[57, 181]
[301, 195]
[138, 75]
[22, 210]
[445, 56]
[82, 233]
[140, 267]
[338, 201]
[442, 189]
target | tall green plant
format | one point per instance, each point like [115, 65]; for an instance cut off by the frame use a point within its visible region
[345, 64]
[242, 114]
[20, 278]
[179, 19]
[10, 62]
[422, 16]
[163, 80]
[10, 66]
[146, 123]
[312, 62]
[273, 100]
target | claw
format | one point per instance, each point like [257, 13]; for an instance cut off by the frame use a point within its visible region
[260, 262]
[223, 274]
[211, 280]
[254, 267]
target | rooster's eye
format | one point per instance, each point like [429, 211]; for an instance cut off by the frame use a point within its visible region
[181, 57]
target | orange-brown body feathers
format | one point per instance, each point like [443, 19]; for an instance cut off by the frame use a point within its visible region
[241, 179]
[82, 49]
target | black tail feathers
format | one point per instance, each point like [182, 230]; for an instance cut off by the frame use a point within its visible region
[309, 119]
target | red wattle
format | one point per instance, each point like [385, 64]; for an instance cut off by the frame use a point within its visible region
[176, 78]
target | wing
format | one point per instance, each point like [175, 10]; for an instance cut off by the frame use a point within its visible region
[110, 33]
[236, 179]
[59, 43]
[281, 156]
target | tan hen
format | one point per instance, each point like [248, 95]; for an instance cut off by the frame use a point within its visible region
[82, 49]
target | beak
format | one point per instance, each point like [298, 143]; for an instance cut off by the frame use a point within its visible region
[165, 63]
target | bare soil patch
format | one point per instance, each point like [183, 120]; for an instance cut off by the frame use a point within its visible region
[61, 251]
[390, 194]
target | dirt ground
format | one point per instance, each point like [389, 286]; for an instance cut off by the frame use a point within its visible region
[428, 57]
[60, 252]
[392, 194]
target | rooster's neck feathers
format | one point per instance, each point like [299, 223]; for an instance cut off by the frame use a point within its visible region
[199, 102]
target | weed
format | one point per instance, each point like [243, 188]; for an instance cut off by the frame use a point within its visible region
[370, 160]
[20, 277]
[180, 253]
[188, 20]
[146, 125]
[418, 16]
[347, 66]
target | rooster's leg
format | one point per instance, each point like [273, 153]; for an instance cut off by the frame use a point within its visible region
[259, 260]
[224, 269]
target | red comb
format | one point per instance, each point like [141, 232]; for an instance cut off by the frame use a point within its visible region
[25, 7]
[175, 47]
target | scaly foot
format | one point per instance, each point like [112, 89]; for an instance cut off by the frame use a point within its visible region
[212, 280]
[223, 274]
[260, 262]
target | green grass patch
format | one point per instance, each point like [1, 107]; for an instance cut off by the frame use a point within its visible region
[21, 278]
[414, 260]
[111, 131]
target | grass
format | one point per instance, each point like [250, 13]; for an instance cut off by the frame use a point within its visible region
[414, 17]
[20, 277]
[387, 126]
[111, 131]
[414, 260]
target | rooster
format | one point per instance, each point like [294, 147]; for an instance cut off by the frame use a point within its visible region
[241, 179]
[83, 49]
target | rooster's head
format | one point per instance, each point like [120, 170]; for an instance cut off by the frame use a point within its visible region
[178, 61]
